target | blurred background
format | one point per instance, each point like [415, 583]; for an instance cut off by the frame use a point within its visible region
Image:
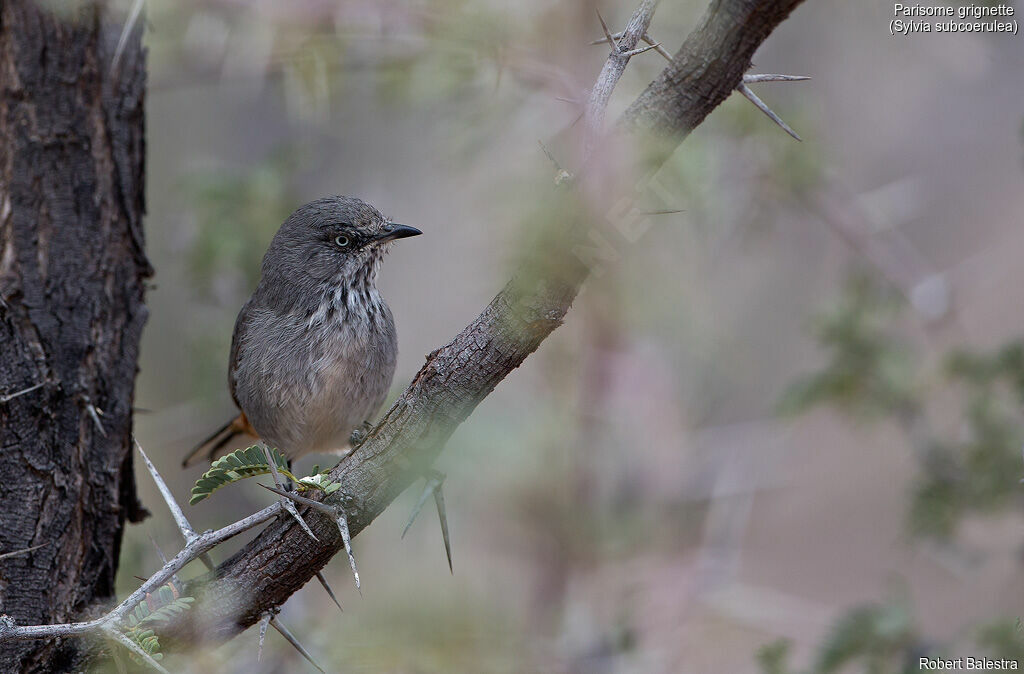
[782, 433]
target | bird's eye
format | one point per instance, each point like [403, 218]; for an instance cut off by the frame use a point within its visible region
[342, 241]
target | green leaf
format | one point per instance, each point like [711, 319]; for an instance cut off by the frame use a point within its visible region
[250, 462]
[236, 466]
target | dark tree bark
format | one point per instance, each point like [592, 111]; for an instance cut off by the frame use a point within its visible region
[72, 268]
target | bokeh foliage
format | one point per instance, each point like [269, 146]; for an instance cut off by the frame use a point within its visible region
[873, 372]
[883, 638]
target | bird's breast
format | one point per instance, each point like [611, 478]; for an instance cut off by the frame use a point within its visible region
[306, 379]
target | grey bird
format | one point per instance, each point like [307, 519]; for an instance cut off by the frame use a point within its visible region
[314, 349]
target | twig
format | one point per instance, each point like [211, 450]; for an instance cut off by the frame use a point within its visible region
[612, 70]
[201, 543]
[119, 637]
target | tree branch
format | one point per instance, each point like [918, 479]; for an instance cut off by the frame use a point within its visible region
[455, 378]
[614, 66]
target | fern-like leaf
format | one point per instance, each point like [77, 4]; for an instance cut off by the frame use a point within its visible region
[160, 606]
[251, 462]
[237, 465]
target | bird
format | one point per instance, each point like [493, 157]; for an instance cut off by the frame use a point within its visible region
[314, 348]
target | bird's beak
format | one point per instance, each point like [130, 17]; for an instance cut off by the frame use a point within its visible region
[393, 231]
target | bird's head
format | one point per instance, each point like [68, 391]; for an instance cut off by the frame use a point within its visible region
[331, 238]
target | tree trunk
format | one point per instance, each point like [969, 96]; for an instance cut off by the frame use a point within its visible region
[72, 268]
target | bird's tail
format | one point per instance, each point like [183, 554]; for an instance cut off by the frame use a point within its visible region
[215, 445]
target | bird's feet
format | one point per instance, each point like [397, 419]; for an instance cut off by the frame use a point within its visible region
[434, 485]
[358, 436]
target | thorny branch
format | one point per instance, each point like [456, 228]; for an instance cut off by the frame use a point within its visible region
[614, 66]
[195, 549]
[249, 587]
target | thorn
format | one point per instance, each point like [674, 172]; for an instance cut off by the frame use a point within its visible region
[608, 36]
[184, 526]
[752, 97]
[434, 485]
[327, 587]
[665, 212]
[640, 50]
[134, 648]
[286, 503]
[442, 516]
[295, 643]
[95, 414]
[571, 101]
[657, 47]
[163, 560]
[264, 622]
[342, 522]
[159, 553]
[753, 79]
[547, 153]
[133, 17]
[339, 517]
[11, 396]
[561, 175]
[23, 551]
[604, 40]
[428, 488]
[187, 532]
[290, 507]
[645, 37]
[322, 507]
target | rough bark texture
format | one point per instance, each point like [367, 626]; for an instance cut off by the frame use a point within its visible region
[459, 375]
[72, 269]
[706, 69]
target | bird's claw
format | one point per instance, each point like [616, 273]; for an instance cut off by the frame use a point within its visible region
[358, 435]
